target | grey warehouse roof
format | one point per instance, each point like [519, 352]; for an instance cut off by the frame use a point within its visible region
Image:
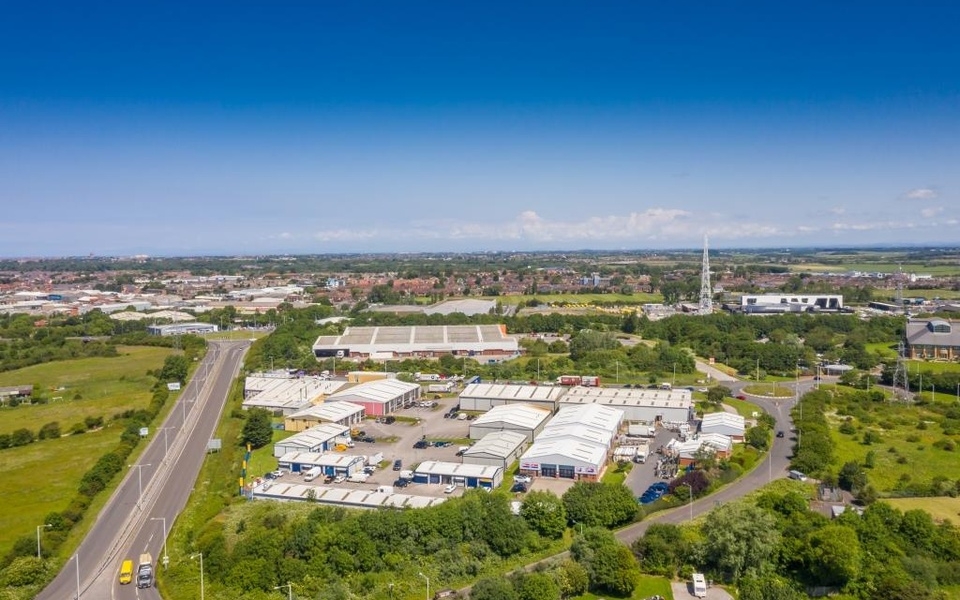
[501, 391]
[499, 444]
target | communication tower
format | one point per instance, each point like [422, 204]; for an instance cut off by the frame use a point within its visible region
[706, 297]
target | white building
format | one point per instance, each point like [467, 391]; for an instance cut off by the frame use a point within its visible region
[564, 458]
[525, 419]
[648, 406]
[595, 416]
[465, 475]
[182, 329]
[283, 393]
[484, 396]
[724, 423]
[380, 397]
[783, 303]
[330, 464]
[341, 413]
[499, 449]
[333, 496]
[720, 446]
[317, 439]
[482, 342]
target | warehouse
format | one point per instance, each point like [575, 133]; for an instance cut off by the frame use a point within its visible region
[603, 419]
[285, 394]
[464, 475]
[347, 498]
[194, 328]
[638, 405]
[486, 343]
[932, 339]
[564, 458]
[577, 432]
[484, 396]
[720, 446]
[498, 449]
[520, 418]
[724, 423]
[341, 413]
[329, 464]
[380, 397]
[316, 439]
[791, 303]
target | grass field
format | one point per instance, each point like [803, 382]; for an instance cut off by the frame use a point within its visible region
[941, 509]
[262, 459]
[42, 477]
[903, 450]
[762, 389]
[105, 386]
[648, 586]
[883, 349]
[932, 367]
[743, 408]
[880, 267]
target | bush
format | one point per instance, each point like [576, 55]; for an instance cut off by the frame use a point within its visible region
[49, 431]
[21, 437]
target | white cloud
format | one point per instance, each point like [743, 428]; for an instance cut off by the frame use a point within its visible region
[931, 212]
[923, 193]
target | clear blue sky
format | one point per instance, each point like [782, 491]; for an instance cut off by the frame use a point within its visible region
[267, 127]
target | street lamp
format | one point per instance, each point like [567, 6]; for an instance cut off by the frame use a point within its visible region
[690, 487]
[166, 446]
[163, 520]
[200, 554]
[674, 375]
[289, 587]
[428, 584]
[391, 590]
[76, 558]
[139, 480]
[933, 390]
[39, 527]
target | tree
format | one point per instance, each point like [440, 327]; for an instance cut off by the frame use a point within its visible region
[610, 565]
[537, 586]
[572, 579]
[758, 437]
[717, 393]
[49, 431]
[258, 430]
[832, 555]
[852, 477]
[599, 504]
[545, 514]
[588, 341]
[493, 588]
[739, 537]
[768, 587]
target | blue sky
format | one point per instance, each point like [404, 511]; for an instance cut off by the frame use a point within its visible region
[311, 127]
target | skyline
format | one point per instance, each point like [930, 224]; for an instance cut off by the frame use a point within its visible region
[221, 129]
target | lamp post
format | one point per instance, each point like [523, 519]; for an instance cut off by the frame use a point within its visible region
[391, 590]
[39, 527]
[76, 558]
[289, 587]
[617, 363]
[139, 480]
[933, 390]
[758, 369]
[428, 584]
[200, 554]
[163, 520]
[674, 384]
[538, 370]
[166, 446]
[690, 487]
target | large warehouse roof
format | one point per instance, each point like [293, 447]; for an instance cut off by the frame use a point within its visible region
[315, 436]
[722, 419]
[381, 390]
[513, 393]
[565, 451]
[595, 416]
[421, 338]
[576, 432]
[432, 467]
[628, 397]
[499, 444]
[517, 415]
[333, 412]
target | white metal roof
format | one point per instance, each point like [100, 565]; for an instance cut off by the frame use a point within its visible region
[347, 497]
[722, 419]
[597, 416]
[420, 338]
[628, 397]
[518, 415]
[329, 411]
[576, 431]
[315, 436]
[448, 469]
[565, 452]
[322, 460]
[498, 444]
[381, 390]
[514, 393]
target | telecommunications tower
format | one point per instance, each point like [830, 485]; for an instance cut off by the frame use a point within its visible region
[706, 297]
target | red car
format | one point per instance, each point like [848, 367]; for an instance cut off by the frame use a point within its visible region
[741, 397]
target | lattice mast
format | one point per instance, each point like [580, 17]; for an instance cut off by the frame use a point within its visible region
[901, 385]
[706, 297]
[900, 288]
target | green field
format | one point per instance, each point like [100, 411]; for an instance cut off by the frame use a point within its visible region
[648, 586]
[582, 300]
[42, 477]
[773, 390]
[941, 509]
[744, 409]
[884, 349]
[924, 366]
[105, 386]
[941, 269]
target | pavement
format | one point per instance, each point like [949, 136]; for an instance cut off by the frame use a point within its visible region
[143, 509]
[684, 589]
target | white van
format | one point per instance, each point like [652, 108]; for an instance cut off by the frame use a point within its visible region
[797, 475]
[699, 585]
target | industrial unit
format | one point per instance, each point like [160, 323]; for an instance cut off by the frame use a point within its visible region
[498, 449]
[380, 397]
[286, 394]
[484, 396]
[341, 413]
[182, 329]
[643, 405]
[488, 343]
[724, 423]
[464, 475]
[317, 439]
[329, 464]
[524, 419]
[784, 303]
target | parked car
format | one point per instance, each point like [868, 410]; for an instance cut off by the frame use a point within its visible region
[522, 479]
[368, 439]
[390, 420]
[328, 479]
[780, 433]
[397, 465]
[421, 444]
[519, 487]
[450, 489]
[340, 478]
[401, 483]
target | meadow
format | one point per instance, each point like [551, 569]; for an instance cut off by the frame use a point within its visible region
[42, 477]
[583, 300]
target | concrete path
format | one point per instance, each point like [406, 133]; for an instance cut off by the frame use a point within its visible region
[714, 373]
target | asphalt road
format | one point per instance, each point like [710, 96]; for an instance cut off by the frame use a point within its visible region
[146, 503]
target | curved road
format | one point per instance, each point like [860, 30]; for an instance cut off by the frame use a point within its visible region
[145, 505]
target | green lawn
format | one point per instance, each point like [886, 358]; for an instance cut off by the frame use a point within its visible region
[105, 385]
[903, 451]
[884, 349]
[763, 389]
[743, 408]
[932, 367]
[649, 585]
[583, 300]
[941, 509]
[262, 459]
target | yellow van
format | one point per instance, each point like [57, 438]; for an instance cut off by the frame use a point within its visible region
[126, 571]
